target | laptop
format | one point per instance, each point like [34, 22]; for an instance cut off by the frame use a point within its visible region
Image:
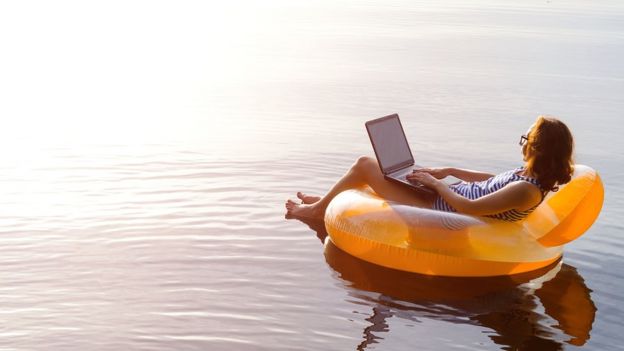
[393, 152]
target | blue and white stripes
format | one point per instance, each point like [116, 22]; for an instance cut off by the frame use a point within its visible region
[475, 190]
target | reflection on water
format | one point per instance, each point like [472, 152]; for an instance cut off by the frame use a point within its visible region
[539, 310]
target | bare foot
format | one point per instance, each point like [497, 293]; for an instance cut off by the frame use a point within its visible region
[308, 199]
[303, 210]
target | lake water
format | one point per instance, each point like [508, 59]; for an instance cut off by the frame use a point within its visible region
[147, 150]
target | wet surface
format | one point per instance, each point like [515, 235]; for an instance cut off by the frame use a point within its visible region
[142, 206]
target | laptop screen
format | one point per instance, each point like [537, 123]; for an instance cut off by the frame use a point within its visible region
[389, 142]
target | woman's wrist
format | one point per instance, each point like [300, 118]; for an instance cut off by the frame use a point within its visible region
[439, 186]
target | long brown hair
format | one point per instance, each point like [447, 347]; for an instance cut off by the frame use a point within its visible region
[548, 153]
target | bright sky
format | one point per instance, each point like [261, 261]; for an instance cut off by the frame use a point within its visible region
[112, 70]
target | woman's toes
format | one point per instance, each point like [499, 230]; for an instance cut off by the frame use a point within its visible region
[307, 199]
[290, 204]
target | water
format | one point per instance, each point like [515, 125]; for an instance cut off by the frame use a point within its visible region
[147, 150]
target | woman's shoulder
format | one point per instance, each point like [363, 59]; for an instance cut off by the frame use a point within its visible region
[529, 192]
[525, 190]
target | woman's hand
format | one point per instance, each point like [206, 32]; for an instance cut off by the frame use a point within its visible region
[438, 173]
[425, 178]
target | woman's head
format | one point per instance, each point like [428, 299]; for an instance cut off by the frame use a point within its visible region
[548, 152]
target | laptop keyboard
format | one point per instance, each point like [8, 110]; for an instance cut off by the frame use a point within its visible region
[403, 176]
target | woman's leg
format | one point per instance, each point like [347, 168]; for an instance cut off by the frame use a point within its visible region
[365, 171]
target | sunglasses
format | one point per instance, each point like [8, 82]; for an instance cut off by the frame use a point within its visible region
[523, 140]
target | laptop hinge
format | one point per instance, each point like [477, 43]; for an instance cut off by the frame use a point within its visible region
[400, 166]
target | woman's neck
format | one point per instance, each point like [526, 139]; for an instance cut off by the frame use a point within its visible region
[526, 173]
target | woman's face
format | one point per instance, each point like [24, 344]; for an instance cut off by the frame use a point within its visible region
[525, 147]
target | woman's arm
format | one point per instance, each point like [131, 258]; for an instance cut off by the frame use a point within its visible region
[470, 175]
[463, 174]
[517, 195]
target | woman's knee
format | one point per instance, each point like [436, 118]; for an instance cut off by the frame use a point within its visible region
[364, 162]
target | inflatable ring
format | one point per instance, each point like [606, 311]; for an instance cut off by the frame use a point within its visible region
[432, 242]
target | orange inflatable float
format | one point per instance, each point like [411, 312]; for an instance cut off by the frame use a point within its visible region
[432, 242]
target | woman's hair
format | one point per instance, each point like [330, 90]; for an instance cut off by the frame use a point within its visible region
[548, 153]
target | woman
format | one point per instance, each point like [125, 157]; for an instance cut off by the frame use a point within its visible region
[547, 152]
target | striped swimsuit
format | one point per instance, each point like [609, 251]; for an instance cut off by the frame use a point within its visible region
[475, 190]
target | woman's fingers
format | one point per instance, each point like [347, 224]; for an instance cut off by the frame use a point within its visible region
[438, 173]
[417, 176]
[422, 177]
